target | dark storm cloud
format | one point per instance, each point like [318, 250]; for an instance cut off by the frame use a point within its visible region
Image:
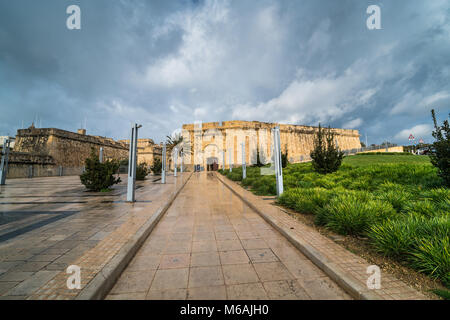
[164, 63]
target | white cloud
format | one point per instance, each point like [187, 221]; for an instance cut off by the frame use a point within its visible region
[419, 131]
[413, 102]
[201, 52]
[353, 124]
[322, 99]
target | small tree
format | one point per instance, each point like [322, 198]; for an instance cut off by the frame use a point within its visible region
[258, 159]
[326, 158]
[99, 176]
[156, 167]
[284, 158]
[142, 171]
[440, 150]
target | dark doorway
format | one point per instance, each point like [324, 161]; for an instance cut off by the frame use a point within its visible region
[212, 164]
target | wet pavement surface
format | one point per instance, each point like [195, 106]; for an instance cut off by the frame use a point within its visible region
[210, 245]
[48, 223]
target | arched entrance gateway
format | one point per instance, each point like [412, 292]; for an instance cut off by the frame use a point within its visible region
[212, 164]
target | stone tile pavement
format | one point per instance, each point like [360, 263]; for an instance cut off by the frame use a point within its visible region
[346, 267]
[210, 245]
[47, 224]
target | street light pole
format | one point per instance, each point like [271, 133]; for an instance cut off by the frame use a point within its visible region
[175, 159]
[181, 166]
[277, 158]
[230, 163]
[223, 159]
[244, 166]
[132, 164]
[4, 162]
[101, 155]
[163, 166]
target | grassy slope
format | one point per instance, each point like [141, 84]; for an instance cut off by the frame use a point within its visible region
[395, 200]
[367, 160]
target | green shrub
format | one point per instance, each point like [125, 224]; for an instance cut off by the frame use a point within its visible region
[354, 214]
[440, 151]
[99, 176]
[156, 168]
[422, 242]
[432, 257]
[305, 200]
[444, 294]
[142, 171]
[438, 194]
[424, 208]
[397, 198]
[394, 238]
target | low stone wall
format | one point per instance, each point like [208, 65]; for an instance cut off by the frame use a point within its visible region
[391, 149]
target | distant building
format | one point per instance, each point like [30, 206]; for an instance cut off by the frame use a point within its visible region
[147, 150]
[67, 149]
[211, 143]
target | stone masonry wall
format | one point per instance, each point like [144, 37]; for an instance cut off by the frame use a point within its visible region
[209, 140]
[68, 149]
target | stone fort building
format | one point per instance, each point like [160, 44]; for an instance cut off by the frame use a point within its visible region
[51, 151]
[215, 142]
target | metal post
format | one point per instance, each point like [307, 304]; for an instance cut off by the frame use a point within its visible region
[175, 159]
[163, 167]
[181, 166]
[223, 159]
[101, 155]
[4, 162]
[132, 164]
[277, 158]
[244, 165]
[230, 164]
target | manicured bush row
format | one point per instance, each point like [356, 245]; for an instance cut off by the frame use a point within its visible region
[402, 207]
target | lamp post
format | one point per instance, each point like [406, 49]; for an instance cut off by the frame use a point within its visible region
[132, 164]
[4, 162]
[223, 159]
[100, 158]
[244, 165]
[230, 163]
[175, 159]
[181, 165]
[163, 165]
[277, 158]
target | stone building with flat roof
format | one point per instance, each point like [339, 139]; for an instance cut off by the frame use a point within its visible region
[147, 150]
[218, 142]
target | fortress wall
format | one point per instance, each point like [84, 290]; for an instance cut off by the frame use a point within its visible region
[68, 149]
[298, 139]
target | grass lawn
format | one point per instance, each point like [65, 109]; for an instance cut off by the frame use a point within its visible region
[397, 201]
[362, 160]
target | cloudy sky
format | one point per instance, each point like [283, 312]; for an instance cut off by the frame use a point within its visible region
[165, 63]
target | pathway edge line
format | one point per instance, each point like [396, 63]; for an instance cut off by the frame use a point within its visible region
[343, 279]
[99, 287]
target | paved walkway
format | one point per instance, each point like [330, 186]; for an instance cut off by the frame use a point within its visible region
[47, 224]
[210, 245]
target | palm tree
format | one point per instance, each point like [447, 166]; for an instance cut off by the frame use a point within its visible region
[173, 141]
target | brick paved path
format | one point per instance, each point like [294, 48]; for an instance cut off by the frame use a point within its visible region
[210, 245]
[47, 224]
